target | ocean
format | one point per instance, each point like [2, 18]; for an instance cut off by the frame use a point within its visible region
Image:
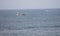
[30, 22]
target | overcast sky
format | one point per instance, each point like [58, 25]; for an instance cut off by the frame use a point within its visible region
[29, 4]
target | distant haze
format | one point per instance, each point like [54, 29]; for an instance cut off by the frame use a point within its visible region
[29, 4]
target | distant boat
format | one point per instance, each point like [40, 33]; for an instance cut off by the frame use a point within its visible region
[18, 14]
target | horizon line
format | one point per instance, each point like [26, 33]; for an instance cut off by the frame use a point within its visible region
[27, 9]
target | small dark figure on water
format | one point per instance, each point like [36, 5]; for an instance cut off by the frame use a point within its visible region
[23, 14]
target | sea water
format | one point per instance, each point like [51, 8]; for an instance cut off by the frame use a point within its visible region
[35, 22]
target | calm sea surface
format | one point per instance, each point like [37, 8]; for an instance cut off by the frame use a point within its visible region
[32, 23]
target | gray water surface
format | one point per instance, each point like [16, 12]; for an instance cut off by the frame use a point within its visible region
[34, 23]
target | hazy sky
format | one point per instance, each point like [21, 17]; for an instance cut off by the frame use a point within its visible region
[29, 4]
